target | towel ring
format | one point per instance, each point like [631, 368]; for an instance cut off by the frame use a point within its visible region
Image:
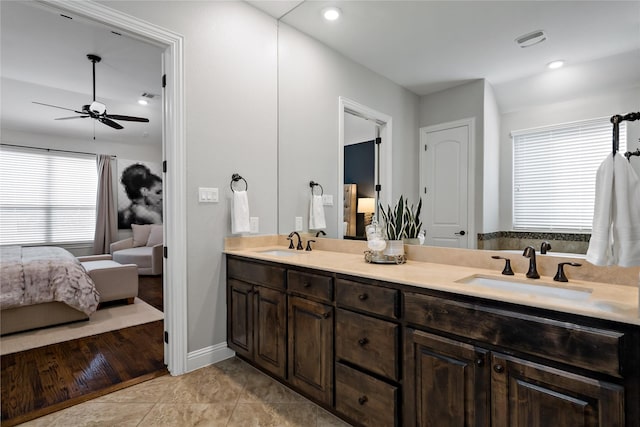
[315, 184]
[235, 178]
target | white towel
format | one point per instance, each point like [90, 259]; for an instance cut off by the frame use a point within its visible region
[240, 213]
[316, 213]
[615, 236]
[626, 214]
[600, 244]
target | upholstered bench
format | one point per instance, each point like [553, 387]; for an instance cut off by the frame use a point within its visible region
[114, 281]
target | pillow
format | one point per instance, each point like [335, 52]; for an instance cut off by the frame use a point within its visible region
[155, 237]
[140, 234]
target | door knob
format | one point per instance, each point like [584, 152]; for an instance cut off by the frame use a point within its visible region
[461, 233]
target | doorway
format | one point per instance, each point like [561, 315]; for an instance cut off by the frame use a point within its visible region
[371, 132]
[175, 275]
[446, 183]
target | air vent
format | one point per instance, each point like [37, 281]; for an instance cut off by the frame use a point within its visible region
[149, 95]
[531, 39]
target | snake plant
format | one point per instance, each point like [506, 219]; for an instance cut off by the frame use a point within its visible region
[402, 220]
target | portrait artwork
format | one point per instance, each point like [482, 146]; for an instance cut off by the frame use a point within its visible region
[139, 193]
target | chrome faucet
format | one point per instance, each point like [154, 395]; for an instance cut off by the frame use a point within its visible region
[530, 252]
[290, 238]
[544, 247]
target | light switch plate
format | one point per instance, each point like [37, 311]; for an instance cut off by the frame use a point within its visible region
[327, 199]
[253, 224]
[207, 195]
[298, 226]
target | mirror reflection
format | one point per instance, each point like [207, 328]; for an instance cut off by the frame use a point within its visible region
[481, 76]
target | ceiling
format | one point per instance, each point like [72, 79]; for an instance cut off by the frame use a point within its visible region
[44, 59]
[428, 46]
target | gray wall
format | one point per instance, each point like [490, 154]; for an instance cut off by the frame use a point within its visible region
[231, 126]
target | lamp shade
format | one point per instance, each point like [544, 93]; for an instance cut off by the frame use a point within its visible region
[366, 205]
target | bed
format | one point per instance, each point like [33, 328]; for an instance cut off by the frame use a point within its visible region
[42, 286]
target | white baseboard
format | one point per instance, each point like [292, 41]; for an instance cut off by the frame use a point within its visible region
[208, 356]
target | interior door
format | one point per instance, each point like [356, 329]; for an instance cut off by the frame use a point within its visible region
[444, 183]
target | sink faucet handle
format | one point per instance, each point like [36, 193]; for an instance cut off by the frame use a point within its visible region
[560, 276]
[507, 271]
[290, 242]
[544, 247]
[309, 244]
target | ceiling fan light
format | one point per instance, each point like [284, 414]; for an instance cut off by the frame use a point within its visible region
[97, 108]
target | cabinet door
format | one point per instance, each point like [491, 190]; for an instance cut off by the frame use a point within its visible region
[446, 382]
[240, 317]
[311, 348]
[533, 395]
[270, 330]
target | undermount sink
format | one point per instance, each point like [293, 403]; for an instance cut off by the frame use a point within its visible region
[280, 252]
[521, 287]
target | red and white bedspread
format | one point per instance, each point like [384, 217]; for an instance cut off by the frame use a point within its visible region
[35, 275]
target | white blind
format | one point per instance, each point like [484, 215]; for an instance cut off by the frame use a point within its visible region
[46, 196]
[554, 174]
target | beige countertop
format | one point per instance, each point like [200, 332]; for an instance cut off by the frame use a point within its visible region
[599, 300]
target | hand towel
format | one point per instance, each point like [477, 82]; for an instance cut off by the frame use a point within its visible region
[626, 214]
[240, 213]
[316, 213]
[600, 244]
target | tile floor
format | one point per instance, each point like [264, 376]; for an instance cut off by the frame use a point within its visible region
[230, 393]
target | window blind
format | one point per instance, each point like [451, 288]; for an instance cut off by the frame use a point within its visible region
[554, 174]
[46, 196]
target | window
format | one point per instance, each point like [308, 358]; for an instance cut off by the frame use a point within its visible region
[554, 174]
[46, 197]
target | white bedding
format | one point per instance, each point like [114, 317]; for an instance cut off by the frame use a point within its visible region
[35, 275]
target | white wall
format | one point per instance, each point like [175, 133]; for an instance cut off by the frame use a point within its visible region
[231, 126]
[357, 129]
[620, 102]
[460, 102]
[491, 160]
[311, 79]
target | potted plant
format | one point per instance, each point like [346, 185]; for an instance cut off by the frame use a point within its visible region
[413, 224]
[394, 226]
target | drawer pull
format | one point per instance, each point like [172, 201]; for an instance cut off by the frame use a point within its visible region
[363, 341]
[363, 297]
[480, 362]
[362, 400]
[498, 368]
[306, 284]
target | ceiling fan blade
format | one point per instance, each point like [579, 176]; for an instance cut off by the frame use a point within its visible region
[126, 118]
[55, 106]
[109, 122]
[72, 117]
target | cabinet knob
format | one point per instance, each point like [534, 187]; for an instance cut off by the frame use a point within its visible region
[363, 297]
[362, 400]
[326, 315]
[306, 284]
[480, 362]
[498, 368]
[363, 341]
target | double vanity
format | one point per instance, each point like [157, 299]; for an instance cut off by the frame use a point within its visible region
[442, 340]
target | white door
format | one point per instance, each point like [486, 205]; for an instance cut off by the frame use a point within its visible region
[444, 180]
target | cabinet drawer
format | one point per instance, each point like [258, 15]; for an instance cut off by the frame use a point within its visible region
[311, 284]
[578, 345]
[364, 399]
[256, 273]
[370, 298]
[367, 342]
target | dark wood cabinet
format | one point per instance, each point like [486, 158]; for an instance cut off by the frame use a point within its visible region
[527, 394]
[383, 354]
[447, 382]
[311, 348]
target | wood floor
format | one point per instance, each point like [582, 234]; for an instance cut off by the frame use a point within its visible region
[46, 379]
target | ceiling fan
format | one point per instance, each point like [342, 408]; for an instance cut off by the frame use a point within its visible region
[97, 110]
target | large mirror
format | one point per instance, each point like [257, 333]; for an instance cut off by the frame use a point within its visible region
[422, 64]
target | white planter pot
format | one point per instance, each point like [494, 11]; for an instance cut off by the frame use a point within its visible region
[394, 248]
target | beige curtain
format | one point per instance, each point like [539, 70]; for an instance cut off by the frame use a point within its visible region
[106, 212]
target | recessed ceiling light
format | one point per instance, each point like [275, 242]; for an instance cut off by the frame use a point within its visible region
[142, 101]
[555, 64]
[331, 13]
